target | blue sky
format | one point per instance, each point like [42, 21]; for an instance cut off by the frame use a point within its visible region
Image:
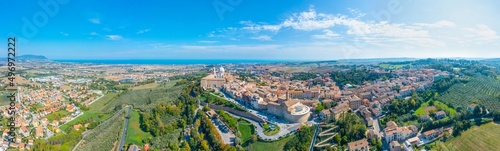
[257, 29]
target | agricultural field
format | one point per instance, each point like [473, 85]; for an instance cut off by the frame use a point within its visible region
[146, 99]
[425, 109]
[484, 90]
[123, 86]
[484, 137]
[145, 86]
[135, 135]
[104, 135]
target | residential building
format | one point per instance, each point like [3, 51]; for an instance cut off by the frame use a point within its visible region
[360, 145]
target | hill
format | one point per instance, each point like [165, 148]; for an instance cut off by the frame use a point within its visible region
[29, 58]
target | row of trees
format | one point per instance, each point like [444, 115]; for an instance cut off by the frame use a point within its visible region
[357, 76]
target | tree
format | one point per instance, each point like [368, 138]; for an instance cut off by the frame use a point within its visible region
[206, 108]
[185, 146]
[338, 139]
[477, 111]
[254, 138]
[379, 144]
[319, 108]
[204, 145]
[496, 115]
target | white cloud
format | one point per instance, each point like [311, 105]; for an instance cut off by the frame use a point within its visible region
[114, 37]
[93, 34]
[143, 31]
[207, 41]
[483, 33]
[64, 34]
[262, 38]
[95, 20]
[439, 24]
[327, 34]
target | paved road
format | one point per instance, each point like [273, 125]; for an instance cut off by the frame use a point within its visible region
[124, 133]
[376, 127]
[313, 141]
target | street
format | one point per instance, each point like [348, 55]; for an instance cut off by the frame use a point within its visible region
[124, 133]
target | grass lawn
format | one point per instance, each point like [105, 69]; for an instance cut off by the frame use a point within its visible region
[4, 100]
[484, 137]
[271, 146]
[135, 134]
[57, 115]
[425, 108]
[146, 86]
[270, 132]
[247, 130]
[94, 112]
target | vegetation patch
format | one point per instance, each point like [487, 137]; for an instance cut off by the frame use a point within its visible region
[431, 107]
[274, 146]
[57, 115]
[135, 135]
[484, 137]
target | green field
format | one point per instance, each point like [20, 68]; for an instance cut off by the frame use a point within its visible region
[146, 86]
[4, 100]
[271, 146]
[424, 109]
[57, 115]
[94, 112]
[135, 135]
[484, 137]
[247, 130]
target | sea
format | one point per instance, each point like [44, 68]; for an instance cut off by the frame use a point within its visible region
[171, 61]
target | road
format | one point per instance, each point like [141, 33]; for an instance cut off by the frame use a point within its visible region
[124, 133]
[313, 141]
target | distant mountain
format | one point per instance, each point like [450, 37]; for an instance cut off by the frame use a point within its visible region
[29, 58]
[493, 61]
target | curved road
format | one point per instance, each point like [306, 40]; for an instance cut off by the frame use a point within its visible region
[260, 131]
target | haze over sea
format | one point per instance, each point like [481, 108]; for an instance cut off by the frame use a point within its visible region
[171, 61]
